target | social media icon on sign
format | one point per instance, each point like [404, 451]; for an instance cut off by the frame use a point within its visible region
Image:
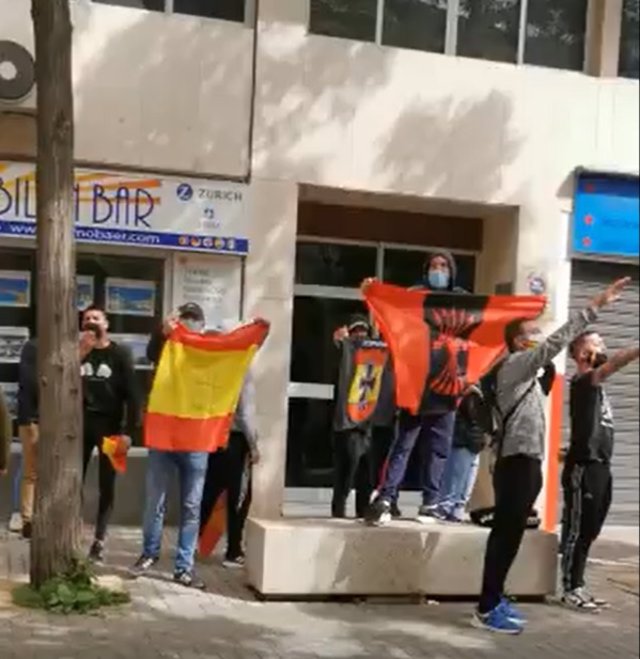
[184, 192]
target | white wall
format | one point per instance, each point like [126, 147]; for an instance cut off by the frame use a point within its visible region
[151, 90]
[339, 113]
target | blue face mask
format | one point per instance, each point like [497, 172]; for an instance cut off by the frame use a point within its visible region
[193, 325]
[438, 279]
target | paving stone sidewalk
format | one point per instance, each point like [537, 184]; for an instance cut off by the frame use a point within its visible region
[228, 623]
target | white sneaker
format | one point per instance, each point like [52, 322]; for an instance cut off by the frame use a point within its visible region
[579, 600]
[234, 563]
[15, 523]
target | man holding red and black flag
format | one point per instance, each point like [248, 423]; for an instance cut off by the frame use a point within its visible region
[441, 343]
[433, 428]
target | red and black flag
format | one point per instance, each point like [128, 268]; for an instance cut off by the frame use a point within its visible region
[442, 342]
[361, 378]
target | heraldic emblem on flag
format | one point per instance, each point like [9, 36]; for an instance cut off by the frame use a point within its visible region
[369, 361]
[197, 387]
[442, 342]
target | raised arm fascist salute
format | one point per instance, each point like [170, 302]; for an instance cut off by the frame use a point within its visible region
[518, 470]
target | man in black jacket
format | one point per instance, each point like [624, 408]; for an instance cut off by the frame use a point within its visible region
[111, 407]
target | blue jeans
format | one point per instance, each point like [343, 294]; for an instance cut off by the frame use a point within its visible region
[16, 483]
[460, 475]
[192, 470]
[434, 432]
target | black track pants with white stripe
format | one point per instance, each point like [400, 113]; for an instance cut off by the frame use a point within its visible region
[587, 498]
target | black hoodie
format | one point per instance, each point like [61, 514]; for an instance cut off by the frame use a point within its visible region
[28, 384]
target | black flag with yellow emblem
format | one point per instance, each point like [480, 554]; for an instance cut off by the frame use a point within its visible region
[360, 382]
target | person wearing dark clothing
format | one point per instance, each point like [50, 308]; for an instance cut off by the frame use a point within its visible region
[5, 434]
[383, 432]
[230, 470]
[518, 469]
[433, 431]
[353, 459]
[469, 439]
[28, 430]
[111, 407]
[587, 479]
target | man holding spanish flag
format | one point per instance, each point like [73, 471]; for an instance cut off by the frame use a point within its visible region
[190, 413]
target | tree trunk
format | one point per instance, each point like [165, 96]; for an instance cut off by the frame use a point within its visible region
[56, 523]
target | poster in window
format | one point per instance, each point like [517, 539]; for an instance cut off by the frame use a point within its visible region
[213, 283]
[137, 345]
[15, 288]
[85, 291]
[10, 391]
[12, 340]
[130, 297]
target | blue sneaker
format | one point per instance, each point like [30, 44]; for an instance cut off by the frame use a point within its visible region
[513, 613]
[497, 621]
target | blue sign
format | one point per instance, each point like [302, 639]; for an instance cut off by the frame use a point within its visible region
[606, 215]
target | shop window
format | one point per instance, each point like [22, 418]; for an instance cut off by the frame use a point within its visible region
[630, 40]
[229, 10]
[555, 34]
[151, 5]
[404, 268]
[489, 29]
[130, 289]
[314, 357]
[323, 264]
[350, 19]
[418, 24]
[309, 443]
[310, 447]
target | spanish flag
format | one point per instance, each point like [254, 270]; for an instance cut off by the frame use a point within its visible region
[442, 342]
[116, 447]
[197, 387]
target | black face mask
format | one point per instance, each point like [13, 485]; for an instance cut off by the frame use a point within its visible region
[599, 359]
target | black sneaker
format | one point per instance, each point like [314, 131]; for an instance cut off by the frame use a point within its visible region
[189, 580]
[379, 513]
[27, 530]
[428, 514]
[96, 553]
[396, 513]
[142, 566]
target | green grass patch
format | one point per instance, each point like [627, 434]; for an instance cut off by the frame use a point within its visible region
[75, 591]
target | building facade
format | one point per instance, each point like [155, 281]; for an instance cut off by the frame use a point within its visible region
[331, 141]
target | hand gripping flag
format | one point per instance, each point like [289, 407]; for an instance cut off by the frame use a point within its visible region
[442, 342]
[197, 387]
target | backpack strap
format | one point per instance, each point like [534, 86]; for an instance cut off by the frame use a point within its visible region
[509, 415]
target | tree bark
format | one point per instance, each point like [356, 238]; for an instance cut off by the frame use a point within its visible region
[56, 523]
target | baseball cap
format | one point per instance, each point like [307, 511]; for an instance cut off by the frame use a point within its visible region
[191, 310]
[358, 321]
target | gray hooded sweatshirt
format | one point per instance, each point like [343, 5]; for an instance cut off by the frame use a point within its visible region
[518, 377]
